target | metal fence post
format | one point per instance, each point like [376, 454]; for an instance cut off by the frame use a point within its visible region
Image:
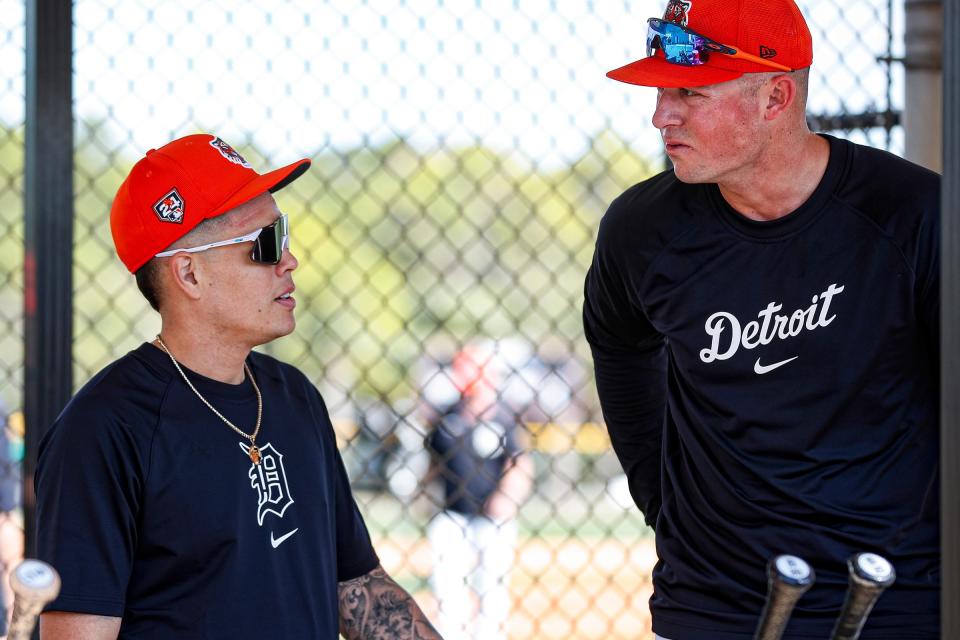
[48, 231]
[923, 42]
[950, 323]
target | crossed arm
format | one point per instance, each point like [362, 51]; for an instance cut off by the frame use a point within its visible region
[374, 607]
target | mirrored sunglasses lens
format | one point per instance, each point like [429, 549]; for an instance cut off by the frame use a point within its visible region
[284, 236]
[653, 38]
[269, 245]
[679, 45]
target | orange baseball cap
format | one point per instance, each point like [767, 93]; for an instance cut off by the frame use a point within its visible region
[773, 30]
[178, 186]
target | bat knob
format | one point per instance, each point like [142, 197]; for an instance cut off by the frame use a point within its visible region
[789, 577]
[791, 570]
[34, 584]
[870, 574]
[35, 580]
[872, 569]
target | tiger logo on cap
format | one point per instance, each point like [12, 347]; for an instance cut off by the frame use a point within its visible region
[677, 11]
[229, 152]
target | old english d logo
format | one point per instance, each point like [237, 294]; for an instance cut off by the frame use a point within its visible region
[270, 482]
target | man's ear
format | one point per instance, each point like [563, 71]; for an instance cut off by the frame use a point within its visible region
[781, 94]
[185, 273]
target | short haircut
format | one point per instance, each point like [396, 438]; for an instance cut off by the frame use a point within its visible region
[148, 276]
[148, 281]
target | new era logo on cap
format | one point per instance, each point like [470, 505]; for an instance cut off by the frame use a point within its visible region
[169, 208]
[767, 52]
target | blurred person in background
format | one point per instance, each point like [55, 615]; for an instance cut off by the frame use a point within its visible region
[11, 492]
[11, 461]
[193, 488]
[475, 442]
[764, 322]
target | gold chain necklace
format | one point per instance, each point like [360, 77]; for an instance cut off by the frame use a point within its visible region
[254, 451]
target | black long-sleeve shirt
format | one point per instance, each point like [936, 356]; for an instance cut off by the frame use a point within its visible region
[772, 387]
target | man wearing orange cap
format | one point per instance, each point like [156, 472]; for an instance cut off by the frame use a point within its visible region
[763, 319]
[193, 488]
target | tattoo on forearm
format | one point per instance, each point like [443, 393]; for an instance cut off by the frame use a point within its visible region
[374, 607]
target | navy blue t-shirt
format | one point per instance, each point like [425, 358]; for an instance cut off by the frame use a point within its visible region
[772, 387]
[151, 509]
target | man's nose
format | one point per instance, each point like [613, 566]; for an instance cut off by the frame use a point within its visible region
[288, 261]
[668, 109]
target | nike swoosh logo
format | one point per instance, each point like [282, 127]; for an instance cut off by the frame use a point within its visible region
[761, 369]
[276, 542]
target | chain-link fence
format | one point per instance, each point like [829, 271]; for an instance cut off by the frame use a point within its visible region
[464, 153]
[12, 66]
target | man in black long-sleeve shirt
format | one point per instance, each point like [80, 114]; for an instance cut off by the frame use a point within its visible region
[764, 325]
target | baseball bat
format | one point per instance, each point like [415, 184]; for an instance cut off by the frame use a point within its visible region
[34, 584]
[788, 578]
[870, 574]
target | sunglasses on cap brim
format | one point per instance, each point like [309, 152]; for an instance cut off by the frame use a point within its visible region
[269, 243]
[682, 46]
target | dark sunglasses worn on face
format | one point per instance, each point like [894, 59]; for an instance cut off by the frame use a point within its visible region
[682, 46]
[268, 243]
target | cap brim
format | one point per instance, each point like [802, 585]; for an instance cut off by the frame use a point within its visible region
[657, 72]
[271, 181]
